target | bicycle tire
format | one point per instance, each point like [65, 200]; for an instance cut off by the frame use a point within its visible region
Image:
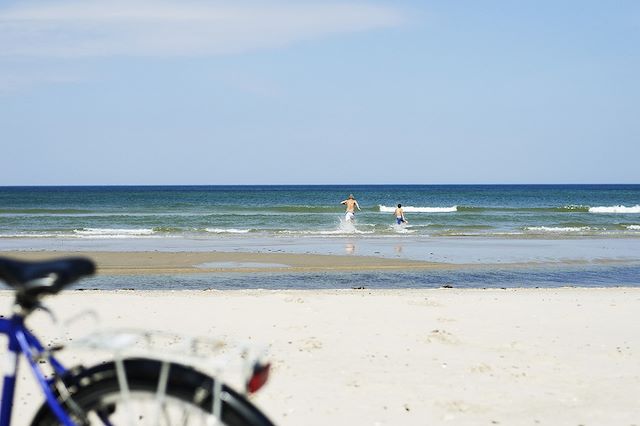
[96, 391]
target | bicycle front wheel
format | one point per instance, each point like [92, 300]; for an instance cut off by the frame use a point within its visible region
[155, 393]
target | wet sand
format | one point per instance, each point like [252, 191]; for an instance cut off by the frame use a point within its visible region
[114, 263]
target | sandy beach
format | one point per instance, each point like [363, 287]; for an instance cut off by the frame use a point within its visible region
[565, 356]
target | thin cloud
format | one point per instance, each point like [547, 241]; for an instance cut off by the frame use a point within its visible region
[165, 28]
[17, 80]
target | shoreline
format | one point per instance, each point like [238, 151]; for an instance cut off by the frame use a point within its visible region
[201, 262]
[398, 252]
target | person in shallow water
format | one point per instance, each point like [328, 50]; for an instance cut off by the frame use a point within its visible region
[399, 213]
[351, 204]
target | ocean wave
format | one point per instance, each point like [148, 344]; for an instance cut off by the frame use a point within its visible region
[227, 231]
[573, 208]
[299, 209]
[615, 209]
[39, 212]
[402, 229]
[268, 209]
[95, 214]
[343, 228]
[167, 230]
[411, 209]
[31, 235]
[331, 232]
[633, 227]
[112, 232]
[570, 208]
[559, 229]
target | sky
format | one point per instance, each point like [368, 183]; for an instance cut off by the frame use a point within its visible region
[161, 92]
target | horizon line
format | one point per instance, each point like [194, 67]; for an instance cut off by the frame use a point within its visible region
[306, 184]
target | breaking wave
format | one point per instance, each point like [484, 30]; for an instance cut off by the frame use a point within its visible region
[401, 229]
[559, 229]
[112, 233]
[343, 228]
[411, 209]
[615, 209]
[227, 231]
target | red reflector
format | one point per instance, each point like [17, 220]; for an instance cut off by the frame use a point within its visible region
[258, 378]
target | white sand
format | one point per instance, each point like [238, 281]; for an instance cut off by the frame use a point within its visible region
[412, 357]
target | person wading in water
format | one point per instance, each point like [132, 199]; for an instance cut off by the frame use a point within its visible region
[351, 204]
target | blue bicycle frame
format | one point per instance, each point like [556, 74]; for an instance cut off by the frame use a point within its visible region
[22, 342]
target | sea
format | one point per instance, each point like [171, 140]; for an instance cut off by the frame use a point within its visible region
[506, 235]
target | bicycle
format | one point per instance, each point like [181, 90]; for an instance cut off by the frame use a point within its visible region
[123, 390]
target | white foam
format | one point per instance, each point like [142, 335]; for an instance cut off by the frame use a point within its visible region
[615, 209]
[330, 232]
[401, 229]
[112, 233]
[227, 230]
[633, 227]
[411, 209]
[558, 228]
[30, 235]
[345, 227]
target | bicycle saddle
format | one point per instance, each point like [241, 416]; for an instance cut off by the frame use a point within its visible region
[32, 279]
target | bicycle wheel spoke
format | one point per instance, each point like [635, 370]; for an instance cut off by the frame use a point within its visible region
[161, 392]
[124, 389]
